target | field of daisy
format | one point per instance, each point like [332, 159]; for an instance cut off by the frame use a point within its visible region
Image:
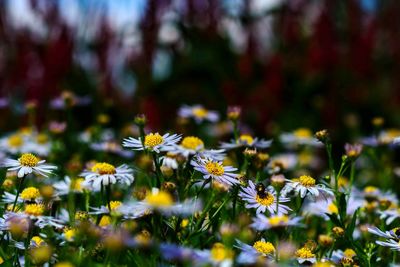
[140, 197]
[199, 133]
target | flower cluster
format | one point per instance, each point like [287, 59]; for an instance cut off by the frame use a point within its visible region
[192, 199]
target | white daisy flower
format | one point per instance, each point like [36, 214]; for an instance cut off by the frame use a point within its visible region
[103, 173]
[305, 255]
[190, 145]
[246, 140]
[251, 254]
[198, 113]
[339, 255]
[163, 202]
[112, 147]
[261, 222]
[27, 164]
[262, 198]
[389, 215]
[320, 207]
[282, 162]
[67, 185]
[215, 170]
[305, 186]
[214, 154]
[218, 255]
[169, 161]
[301, 136]
[153, 142]
[392, 237]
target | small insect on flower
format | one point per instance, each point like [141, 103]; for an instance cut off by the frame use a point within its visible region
[215, 170]
[246, 140]
[306, 186]
[103, 173]
[198, 113]
[262, 198]
[153, 142]
[251, 254]
[27, 164]
[261, 222]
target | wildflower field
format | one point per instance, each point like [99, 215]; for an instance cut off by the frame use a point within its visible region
[199, 133]
[138, 197]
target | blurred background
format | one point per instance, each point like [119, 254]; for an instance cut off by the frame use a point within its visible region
[287, 63]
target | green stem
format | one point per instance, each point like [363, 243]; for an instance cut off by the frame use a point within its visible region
[330, 160]
[352, 174]
[18, 191]
[158, 169]
[108, 195]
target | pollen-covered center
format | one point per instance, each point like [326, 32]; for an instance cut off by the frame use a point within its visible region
[30, 193]
[15, 140]
[219, 252]
[277, 220]
[307, 181]
[332, 208]
[215, 168]
[200, 112]
[266, 199]
[152, 140]
[160, 199]
[34, 209]
[246, 138]
[103, 168]
[264, 247]
[115, 204]
[192, 142]
[304, 253]
[302, 133]
[28, 160]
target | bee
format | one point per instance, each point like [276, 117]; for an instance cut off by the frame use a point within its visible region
[260, 188]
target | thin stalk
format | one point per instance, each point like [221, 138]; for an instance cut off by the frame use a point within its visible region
[18, 191]
[158, 170]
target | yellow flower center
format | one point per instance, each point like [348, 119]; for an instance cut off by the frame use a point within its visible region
[105, 221]
[302, 133]
[38, 240]
[264, 247]
[160, 199]
[77, 184]
[115, 204]
[28, 160]
[192, 142]
[103, 168]
[152, 140]
[69, 234]
[266, 200]
[200, 112]
[332, 208]
[304, 253]
[34, 209]
[370, 189]
[246, 138]
[215, 168]
[30, 193]
[220, 253]
[306, 181]
[349, 253]
[277, 220]
[15, 140]
[42, 138]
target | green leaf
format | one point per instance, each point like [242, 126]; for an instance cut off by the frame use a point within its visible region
[335, 219]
